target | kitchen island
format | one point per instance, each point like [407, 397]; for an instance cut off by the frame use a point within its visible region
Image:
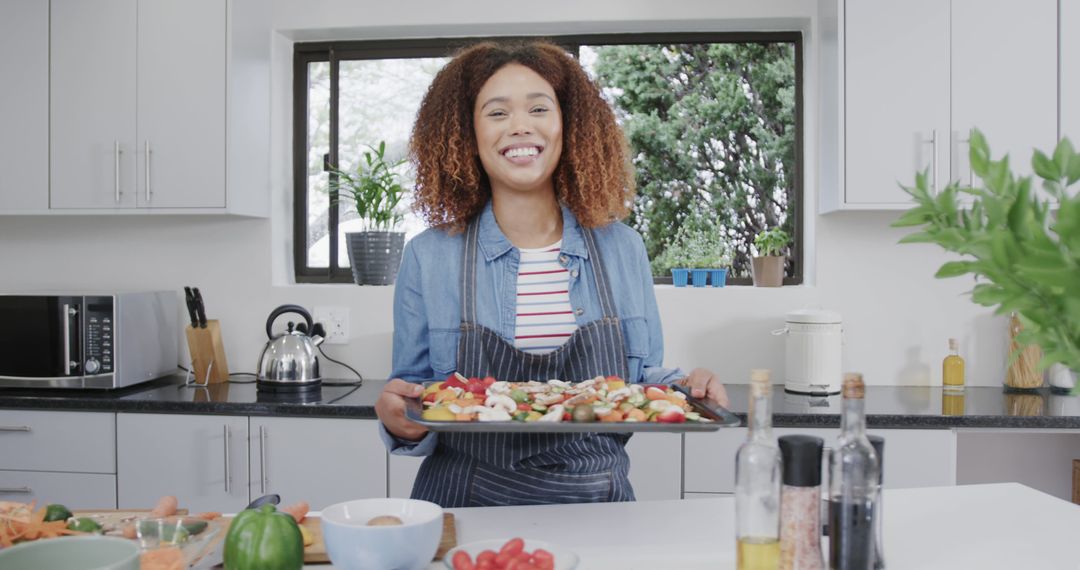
[979, 527]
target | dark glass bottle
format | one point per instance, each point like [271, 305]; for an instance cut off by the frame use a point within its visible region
[853, 485]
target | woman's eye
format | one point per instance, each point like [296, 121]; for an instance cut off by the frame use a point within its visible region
[539, 109]
[497, 114]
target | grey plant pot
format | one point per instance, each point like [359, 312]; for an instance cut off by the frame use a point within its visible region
[375, 256]
[768, 270]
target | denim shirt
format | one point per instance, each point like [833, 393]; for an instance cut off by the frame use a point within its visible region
[427, 301]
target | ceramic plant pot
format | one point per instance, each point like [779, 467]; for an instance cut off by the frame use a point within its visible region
[768, 270]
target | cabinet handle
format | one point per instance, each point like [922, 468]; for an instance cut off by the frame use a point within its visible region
[147, 160]
[262, 460]
[116, 167]
[933, 147]
[67, 339]
[227, 475]
[971, 174]
[20, 490]
[14, 428]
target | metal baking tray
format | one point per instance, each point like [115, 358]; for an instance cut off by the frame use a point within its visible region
[721, 417]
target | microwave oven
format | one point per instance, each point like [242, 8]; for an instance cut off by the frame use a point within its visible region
[76, 340]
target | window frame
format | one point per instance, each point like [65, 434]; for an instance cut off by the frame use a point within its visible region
[333, 52]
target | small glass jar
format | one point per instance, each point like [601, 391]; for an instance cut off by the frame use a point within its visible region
[800, 503]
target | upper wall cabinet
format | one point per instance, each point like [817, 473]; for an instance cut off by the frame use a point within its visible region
[1070, 70]
[916, 78]
[138, 100]
[24, 105]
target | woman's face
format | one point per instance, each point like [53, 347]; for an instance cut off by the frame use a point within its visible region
[518, 129]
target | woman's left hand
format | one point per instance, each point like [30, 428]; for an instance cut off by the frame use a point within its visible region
[704, 384]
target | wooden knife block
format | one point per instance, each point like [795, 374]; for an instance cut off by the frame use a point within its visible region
[207, 353]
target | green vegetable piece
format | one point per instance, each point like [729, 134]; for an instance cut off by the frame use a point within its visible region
[583, 414]
[519, 396]
[264, 539]
[194, 527]
[520, 416]
[84, 524]
[56, 512]
[539, 407]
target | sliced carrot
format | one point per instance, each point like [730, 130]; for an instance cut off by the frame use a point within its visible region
[129, 531]
[208, 516]
[298, 510]
[165, 507]
[169, 558]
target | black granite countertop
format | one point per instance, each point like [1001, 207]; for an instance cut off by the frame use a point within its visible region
[910, 407]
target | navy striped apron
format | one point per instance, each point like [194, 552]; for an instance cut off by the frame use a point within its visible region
[491, 469]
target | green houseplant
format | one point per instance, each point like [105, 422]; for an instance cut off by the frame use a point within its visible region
[767, 267]
[375, 191]
[1024, 256]
[693, 248]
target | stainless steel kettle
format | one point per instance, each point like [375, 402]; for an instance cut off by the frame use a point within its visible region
[289, 361]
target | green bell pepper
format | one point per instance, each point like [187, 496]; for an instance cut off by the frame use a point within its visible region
[264, 539]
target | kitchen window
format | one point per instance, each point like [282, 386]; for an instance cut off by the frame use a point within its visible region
[714, 122]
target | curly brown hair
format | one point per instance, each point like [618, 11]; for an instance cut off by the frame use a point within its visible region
[593, 177]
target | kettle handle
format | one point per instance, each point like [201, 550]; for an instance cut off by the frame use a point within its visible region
[281, 311]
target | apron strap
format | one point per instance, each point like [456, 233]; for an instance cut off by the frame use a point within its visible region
[603, 288]
[468, 273]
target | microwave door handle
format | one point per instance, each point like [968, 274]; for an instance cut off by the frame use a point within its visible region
[67, 339]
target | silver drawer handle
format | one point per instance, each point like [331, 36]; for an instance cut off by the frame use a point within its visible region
[116, 167]
[14, 428]
[147, 170]
[227, 475]
[262, 459]
[20, 490]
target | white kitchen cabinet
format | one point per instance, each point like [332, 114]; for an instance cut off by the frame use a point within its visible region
[137, 104]
[913, 458]
[321, 461]
[918, 76]
[73, 490]
[656, 465]
[24, 105]
[896, 78]
[82, 442]
[401, 474]
[1070, 70]
[1006, 89]
[202, 460]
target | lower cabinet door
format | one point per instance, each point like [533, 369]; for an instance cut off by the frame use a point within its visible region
[202, 460]
[402, 474]
[318, 460]
[656, 465]
[73, 490]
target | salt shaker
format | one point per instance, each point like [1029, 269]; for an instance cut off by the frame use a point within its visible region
[800, 503]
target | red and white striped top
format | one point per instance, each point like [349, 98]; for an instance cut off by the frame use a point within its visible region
[545, 319]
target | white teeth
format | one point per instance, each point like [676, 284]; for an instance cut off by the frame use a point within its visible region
[523, 151]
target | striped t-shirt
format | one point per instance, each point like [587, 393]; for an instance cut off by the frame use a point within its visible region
[545, 319]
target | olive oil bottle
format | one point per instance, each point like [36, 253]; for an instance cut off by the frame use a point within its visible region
[952, 368]
[757, 484]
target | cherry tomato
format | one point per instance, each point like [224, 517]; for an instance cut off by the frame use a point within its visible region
[512, 547]
[462, 561]
[487, 556]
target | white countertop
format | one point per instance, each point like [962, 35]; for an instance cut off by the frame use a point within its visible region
[984, 527]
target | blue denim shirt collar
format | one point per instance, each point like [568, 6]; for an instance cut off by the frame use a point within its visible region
[494, 243]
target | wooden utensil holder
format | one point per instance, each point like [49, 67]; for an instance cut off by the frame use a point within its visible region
[207, 353]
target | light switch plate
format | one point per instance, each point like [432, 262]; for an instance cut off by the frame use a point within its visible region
[336, 322]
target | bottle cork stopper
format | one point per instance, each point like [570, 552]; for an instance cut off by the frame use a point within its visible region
[953, 345]
[853, 386]
[759, 382]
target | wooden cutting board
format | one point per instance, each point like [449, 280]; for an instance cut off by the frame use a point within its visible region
[316, 552]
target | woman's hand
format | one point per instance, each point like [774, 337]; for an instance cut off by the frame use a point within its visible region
[390, 407]
[704, 384]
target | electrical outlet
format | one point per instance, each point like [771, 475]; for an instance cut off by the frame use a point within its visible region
[336, 322]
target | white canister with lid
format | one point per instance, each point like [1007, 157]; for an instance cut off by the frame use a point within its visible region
[812, 353]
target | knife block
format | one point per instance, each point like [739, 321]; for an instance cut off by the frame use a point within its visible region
[208, 362]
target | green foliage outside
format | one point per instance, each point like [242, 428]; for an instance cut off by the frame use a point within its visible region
[712, 132]
[374, 188]
[1024, 256]
[771, 242]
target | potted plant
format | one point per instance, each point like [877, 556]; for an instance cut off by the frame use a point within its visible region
[695, 254]
[1023, 255]
[767, 267]
[375, 190]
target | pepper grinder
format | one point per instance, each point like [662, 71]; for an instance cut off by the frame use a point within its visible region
[800, 503]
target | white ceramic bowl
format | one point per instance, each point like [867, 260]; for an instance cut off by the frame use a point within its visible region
[564, 559]
[353, 545]
[84, 552]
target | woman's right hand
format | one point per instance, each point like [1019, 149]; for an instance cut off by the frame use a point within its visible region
[390, 407]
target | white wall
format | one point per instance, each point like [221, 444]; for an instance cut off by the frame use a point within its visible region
[897, 316]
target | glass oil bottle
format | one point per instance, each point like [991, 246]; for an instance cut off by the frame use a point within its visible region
[757, 484]
[952, 368]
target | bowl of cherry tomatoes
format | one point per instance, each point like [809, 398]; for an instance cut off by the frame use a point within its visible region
[510, 554]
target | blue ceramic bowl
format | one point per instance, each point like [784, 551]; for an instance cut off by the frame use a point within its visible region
[353, 545]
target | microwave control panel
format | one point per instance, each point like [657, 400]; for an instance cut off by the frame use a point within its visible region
[99, 318]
